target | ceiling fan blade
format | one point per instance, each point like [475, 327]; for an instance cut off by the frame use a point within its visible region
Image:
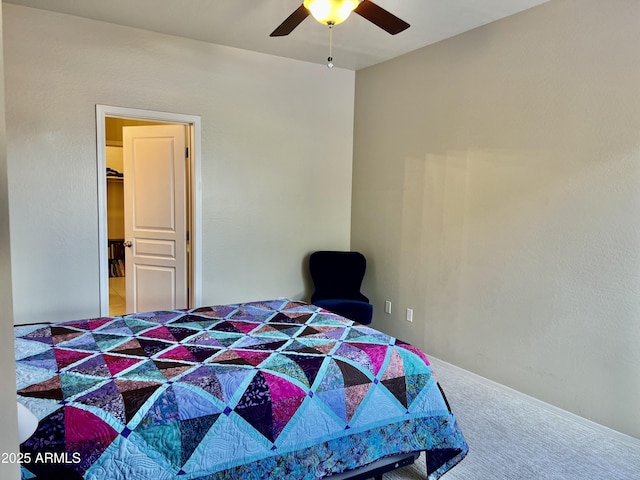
[292, 21]
[380, 17]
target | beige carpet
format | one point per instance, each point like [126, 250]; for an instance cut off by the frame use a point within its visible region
[512, 436]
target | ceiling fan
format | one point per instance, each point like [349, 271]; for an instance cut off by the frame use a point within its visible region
[333, 12]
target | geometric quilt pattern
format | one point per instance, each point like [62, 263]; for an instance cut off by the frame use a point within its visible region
[252, 390]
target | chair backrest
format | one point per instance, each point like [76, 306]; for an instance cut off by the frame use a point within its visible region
[337, 275]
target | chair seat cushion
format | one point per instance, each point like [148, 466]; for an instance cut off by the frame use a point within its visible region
[361, 312]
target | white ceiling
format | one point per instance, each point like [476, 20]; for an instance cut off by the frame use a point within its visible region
[247, 24]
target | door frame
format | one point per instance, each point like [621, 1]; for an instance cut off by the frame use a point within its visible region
[195, 188]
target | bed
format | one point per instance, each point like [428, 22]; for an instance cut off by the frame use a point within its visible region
[271, 389]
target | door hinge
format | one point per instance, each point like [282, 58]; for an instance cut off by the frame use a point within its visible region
[186, 152]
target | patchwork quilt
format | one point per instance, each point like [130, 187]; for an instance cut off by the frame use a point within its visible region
[260, 390]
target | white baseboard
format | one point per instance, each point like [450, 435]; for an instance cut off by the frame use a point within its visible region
[619, 436]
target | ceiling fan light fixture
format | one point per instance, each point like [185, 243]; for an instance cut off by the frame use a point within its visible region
[331, 12]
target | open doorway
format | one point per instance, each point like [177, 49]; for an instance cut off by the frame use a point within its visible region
[115, 248]
[116, 210]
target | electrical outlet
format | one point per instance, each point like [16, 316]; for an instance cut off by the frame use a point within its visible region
[387, 307]
[409, 314]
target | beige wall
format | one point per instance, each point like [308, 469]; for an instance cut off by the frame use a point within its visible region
[276, 156]
[497, 193]
[8, 423]
[115, 194]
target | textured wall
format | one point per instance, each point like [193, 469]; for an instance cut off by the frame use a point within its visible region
[276, 156]
[9, 437]
[497, 193]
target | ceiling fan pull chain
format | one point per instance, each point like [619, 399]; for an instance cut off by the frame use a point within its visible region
[330, 59]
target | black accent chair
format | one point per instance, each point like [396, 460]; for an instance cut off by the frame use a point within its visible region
[337, 277]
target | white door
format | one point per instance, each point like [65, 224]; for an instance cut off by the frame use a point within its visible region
[155, 217]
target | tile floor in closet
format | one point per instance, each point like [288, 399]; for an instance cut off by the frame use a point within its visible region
[117, 296]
